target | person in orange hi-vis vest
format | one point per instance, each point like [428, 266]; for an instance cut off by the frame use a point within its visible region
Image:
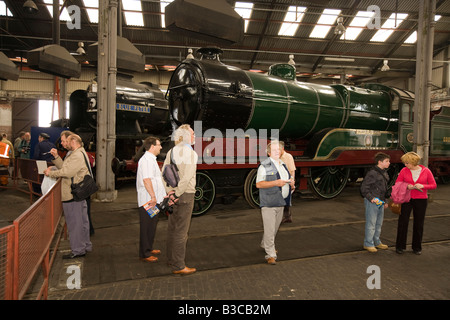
[5, 152]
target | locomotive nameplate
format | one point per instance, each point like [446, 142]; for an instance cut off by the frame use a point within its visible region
[368, 132]
[131, 107]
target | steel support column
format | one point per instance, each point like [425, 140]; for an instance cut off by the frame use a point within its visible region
[422, 105]
[106, 122]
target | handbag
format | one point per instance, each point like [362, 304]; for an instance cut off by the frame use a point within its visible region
[395, 207]
[85, 188]
[170, 173]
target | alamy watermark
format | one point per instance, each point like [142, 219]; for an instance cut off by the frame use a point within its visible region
[375, 21]
[74, 279]
[374, 281]
[75, 17]
[235, 147]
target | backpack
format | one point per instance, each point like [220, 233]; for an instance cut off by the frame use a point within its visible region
[170, 173]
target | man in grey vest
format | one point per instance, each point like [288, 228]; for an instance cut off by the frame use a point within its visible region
[274, 183]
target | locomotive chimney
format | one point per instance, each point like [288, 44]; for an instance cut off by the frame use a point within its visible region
[210, 53]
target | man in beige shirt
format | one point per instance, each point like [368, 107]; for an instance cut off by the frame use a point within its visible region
[183, 194]
[288, 159]
[73, 167]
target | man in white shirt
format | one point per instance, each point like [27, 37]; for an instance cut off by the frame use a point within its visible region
[150, 188]
[274, 183]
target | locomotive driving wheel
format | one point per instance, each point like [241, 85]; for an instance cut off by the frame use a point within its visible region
[205, 193]
[328, 182]
[251, 193]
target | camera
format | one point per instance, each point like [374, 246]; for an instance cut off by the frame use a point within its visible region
[164, 206]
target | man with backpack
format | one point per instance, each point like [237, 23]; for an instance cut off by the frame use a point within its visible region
[374, 189]
[185, 158]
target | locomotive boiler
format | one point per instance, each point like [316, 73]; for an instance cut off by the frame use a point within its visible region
[225, 97]
[141, 110]
[333, 131]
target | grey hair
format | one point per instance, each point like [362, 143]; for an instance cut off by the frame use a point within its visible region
[273, 142]
[182, 134]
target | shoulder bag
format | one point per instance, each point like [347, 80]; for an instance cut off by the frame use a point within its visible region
[170, 172]
[85, 188]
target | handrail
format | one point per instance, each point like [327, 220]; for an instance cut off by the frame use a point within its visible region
[28, 244]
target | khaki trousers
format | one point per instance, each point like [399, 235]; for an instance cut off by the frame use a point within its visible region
[177, 231]
[271, 221]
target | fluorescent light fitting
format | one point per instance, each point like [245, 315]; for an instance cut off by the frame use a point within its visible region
[339, 59]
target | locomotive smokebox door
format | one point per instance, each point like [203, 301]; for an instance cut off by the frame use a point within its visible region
[209, 91]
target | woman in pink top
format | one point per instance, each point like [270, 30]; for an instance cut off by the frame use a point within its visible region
[419, 179]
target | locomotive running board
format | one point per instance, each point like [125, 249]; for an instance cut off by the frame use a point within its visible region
[337, 140]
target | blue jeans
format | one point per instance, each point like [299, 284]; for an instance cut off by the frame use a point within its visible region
[374, 221]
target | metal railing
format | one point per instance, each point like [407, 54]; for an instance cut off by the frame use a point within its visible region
[25, 245]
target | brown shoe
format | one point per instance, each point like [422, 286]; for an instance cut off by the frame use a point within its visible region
[150, 259]
[185, 271]
[271, 260]
[155, 251]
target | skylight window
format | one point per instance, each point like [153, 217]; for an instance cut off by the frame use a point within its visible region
[64, 16]
[4, 11]
[388, 27]
[293, 17]
[133, 12]
[326, 21]
[244, 9]
[357, 25]
[164, 4]
[413, 37]
[92, 13]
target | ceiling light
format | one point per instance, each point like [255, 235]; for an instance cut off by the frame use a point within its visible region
[385, 66]
[339, 59]
[190, 55]
[80, 49]
[30, 7]
[340, 29]
[291, 60]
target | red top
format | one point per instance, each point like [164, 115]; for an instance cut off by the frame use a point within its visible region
[425, 178]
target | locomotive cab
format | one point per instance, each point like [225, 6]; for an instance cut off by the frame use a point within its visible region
[402, 104]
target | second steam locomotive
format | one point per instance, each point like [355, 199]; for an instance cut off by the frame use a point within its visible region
[333, 132]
